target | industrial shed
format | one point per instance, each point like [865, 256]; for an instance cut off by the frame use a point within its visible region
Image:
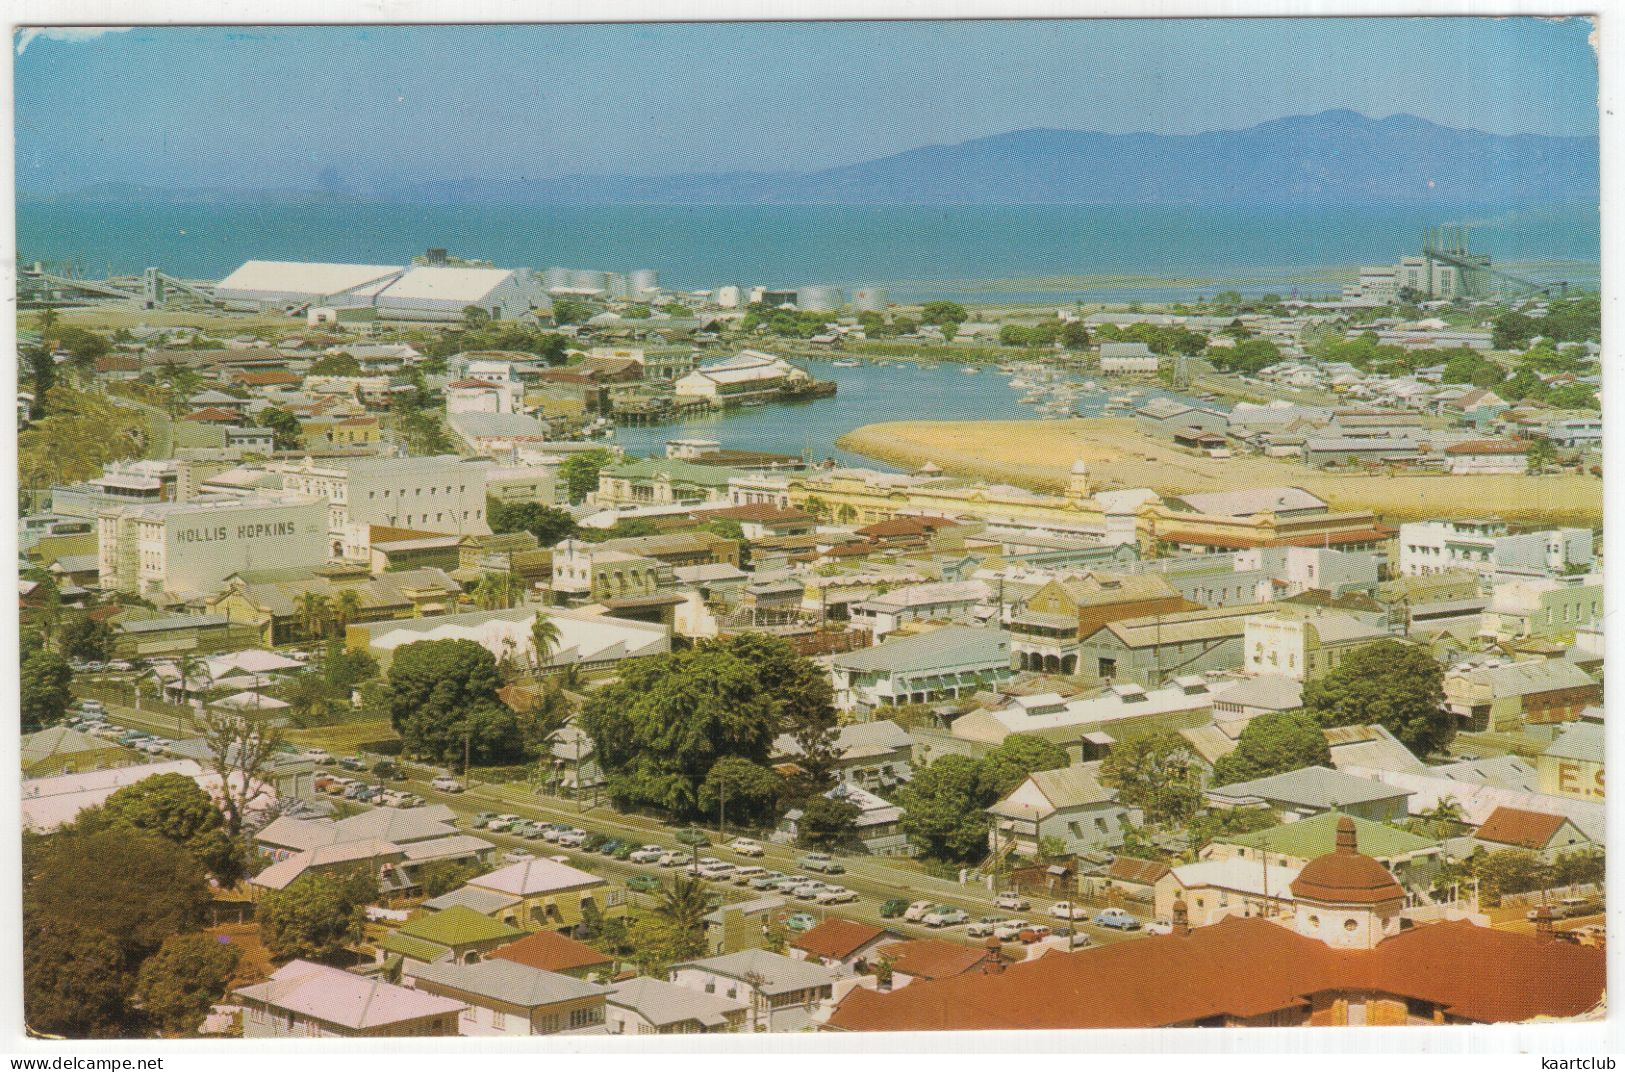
[263, 286]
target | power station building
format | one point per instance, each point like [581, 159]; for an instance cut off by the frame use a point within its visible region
[389, 292]
[182, 551]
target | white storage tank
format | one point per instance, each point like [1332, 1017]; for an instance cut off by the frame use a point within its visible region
[587, 279]
[870, 300]
[819, 299]
[645, 281]
[556, 278]
[728, 297]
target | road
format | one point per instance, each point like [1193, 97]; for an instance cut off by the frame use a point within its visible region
[873, 879]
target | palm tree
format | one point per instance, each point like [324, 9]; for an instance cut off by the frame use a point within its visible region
[347, 608]
[313, 609]
[681, 909]
[544, 638]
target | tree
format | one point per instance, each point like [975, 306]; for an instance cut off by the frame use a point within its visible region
[339, 364]
[674, 930]
[345, 669]
[1274, 743]
[1389, 683]
[475, 317]
[442, 876]
[1540, 455]
[239, 749]
[944, 808]
[544, 639]
[943, 312]
[313, 609]
[284, 426]
[176, 985]
[347, 607]
[76, 979]
[548, 524]
[580, 472]
[1019, 755]
[175, 808]
[88, 639]
[317, 916]
[1074, 334]
[45, 694]
[1157, 773]
[828, 822]
[312, 700]
[443, 702]
[1512, 331]
[745, 793]
[41, 377]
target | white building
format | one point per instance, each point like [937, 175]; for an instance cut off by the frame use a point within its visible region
[186, 550]
[475, 395]
[750, 374]
[1128, 357]
[1303, 646]
[590, 641]
[396, 292]
[444, 493]
[1486, 548]
[266, 286]
[442, 294]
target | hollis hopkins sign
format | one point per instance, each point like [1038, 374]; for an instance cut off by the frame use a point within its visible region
[245, 531]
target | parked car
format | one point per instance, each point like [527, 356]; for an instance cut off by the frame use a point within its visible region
[821, 862]
[766, 880]
[481, 821]
[624, 850]
[670, 859]
[787, 884]
[1011, 929]
[1037, 932]
[503, 822]
[916, 911]
[984, 927]
[92, 707]
[317, 755]
[1116, 919]
[608, 846]
[1160, 926]
[592, 842]
[742, 875]
[513, 856]
[1012, 902]
[945, 916]
[572, 839]
[447, 785]
[809, 889]
[643, 884]
[746, 847]
[801, 921]
[835, 895]
[648, 854]
[532, 832]
[324, 780]
[1074, 939]
[1063, 910]
[716, 870]
[351, 763]
[893, 908]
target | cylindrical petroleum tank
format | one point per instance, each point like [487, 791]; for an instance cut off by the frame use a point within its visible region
[819, 299]
[645, 280]
[870, 300]
[588, 279]
[556, 278]
[728, 297]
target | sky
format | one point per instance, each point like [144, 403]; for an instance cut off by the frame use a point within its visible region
[360, 108]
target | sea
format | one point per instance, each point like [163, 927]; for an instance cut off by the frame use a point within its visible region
[987, 254]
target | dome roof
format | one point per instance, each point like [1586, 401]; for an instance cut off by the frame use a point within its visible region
[1345, 876]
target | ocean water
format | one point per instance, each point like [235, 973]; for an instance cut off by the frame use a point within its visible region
[975, 253]
[866, 394]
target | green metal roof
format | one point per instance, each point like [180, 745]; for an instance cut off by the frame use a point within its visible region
[457, 926]
[425, 952]
[1309, 838]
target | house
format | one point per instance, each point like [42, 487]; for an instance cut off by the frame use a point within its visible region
[924, 959]
[551, 951]
[1304, 645]
[782, 994]
[1046, 631]
[741, 924]
[457, 934]
[550, 895]
[930, 666]
[502, 998]
[644, 1006]
[845, 946]
[1215, 889]
[1548, 836]
[1544, 607]
[1312, 790]
[1411, 858]
[60, 750]
[878, 825]
[957, 601]
[1069, 804]
[874, 755]
[307, 1000]
[1509, 696]
[1129, 878]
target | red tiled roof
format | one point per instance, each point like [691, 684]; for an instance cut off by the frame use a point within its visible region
[1332, 539]
[551, 951]
[1244, 967]
[932, 958]
[1487, 446]
[906, 526]
[760, 513]
[210, 415]
[470, 382]
[1346, 875]
[265, 379]
[837, 938]
[1134, 869]
[1515, 826]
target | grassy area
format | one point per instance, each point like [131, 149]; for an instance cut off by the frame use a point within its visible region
[1038, 454]
[344, 738]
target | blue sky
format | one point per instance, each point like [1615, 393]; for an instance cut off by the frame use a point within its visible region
[278, 107]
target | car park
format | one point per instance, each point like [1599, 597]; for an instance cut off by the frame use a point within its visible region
[514, 856]
[1012, 902]
[1065, 910]
[446, 785]
[916, 911]
[945, 916]
[835, 895]
[1010, 929]
[801, 921]
[765, 880]
[821, 862]
[1116, 919]
[893, 908]
[643, 884]
[648, 854]
[746, 847]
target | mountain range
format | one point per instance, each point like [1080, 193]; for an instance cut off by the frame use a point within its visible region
[1333, 157]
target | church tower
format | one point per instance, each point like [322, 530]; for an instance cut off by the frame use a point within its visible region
[1077, 484]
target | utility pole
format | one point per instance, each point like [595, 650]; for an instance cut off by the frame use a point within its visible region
[722, 806]
[468, 772]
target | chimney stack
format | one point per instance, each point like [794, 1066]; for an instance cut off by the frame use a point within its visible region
[1543, 924]
[993, 963]
[1182, 919]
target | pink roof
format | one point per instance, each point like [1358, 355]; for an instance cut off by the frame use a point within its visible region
[337, 997]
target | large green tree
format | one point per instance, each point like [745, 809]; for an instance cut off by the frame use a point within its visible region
[828, 822]
[45, 678]
[1274, 743]
[580, 472]
[443, 699]
[284, 427]
[741, 793]
[86, 638]
[1017, 756]
[176, 985]
[1391, 684]
[944, 808]
[1157, 773]
[317, 916]
[76, 979]
[133, 884]
[548, 524]
[175, 808]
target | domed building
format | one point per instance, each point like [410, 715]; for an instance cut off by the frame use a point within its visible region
[1345, 898]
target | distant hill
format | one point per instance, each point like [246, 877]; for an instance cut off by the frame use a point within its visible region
[1335, 157]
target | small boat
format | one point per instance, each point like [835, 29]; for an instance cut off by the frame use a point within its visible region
[846, 364]
[1120, 400]
[970, 369]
